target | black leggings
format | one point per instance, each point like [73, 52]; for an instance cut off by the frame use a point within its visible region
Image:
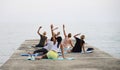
[43, 51]
[39, 45]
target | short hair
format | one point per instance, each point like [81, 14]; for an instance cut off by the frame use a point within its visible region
[69, 35]
[82, 36]
[44, 33]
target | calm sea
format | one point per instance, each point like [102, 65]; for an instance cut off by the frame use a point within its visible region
[104, 36]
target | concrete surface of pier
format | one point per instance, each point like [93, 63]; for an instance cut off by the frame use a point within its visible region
[98, 60]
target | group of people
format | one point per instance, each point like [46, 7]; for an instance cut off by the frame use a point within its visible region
[51, 48]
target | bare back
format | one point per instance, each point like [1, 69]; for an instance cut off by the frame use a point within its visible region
[66, 42]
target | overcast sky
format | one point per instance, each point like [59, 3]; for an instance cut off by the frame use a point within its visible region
[59, 11]
[20, 19]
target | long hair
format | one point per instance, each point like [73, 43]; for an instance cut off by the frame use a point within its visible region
[59, 40]
[51, 39]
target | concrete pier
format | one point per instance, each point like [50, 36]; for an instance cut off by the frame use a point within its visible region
[98, 60]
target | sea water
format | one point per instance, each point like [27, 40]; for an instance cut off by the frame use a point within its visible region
[104, 36]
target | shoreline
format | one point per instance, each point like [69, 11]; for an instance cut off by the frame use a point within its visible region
[94, 61]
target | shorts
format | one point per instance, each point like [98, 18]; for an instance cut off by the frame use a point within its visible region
[67, 49]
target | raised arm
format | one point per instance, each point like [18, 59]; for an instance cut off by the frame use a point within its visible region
[55, 28]
[52, 29]
[39, 30]
[64, 31]
[76, 35]
[53, 35]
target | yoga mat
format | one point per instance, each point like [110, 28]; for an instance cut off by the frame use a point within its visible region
[68, 58]
[60, 58]
[25, 54]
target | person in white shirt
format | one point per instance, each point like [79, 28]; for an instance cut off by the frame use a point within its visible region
[53, 53]
[45, 49]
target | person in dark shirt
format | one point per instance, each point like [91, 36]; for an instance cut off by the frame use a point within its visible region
[43, 38]
[79, 45]
[53, 53]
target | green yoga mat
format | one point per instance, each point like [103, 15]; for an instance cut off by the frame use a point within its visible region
[60, 58]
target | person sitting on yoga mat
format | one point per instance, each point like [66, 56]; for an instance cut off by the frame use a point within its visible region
[48, 45]
[53, 53]
[44, 49]
[79, 45]
[67, 42]
[43, 38]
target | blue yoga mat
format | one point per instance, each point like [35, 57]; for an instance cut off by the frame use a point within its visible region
[68, 58]
[25, 54]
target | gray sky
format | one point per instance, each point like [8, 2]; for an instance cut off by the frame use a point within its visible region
[59, 11]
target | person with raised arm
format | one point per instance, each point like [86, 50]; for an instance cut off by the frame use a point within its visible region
[46, 48]
[79, 45]
[67, 42]
[43, 38]
[53, 53]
